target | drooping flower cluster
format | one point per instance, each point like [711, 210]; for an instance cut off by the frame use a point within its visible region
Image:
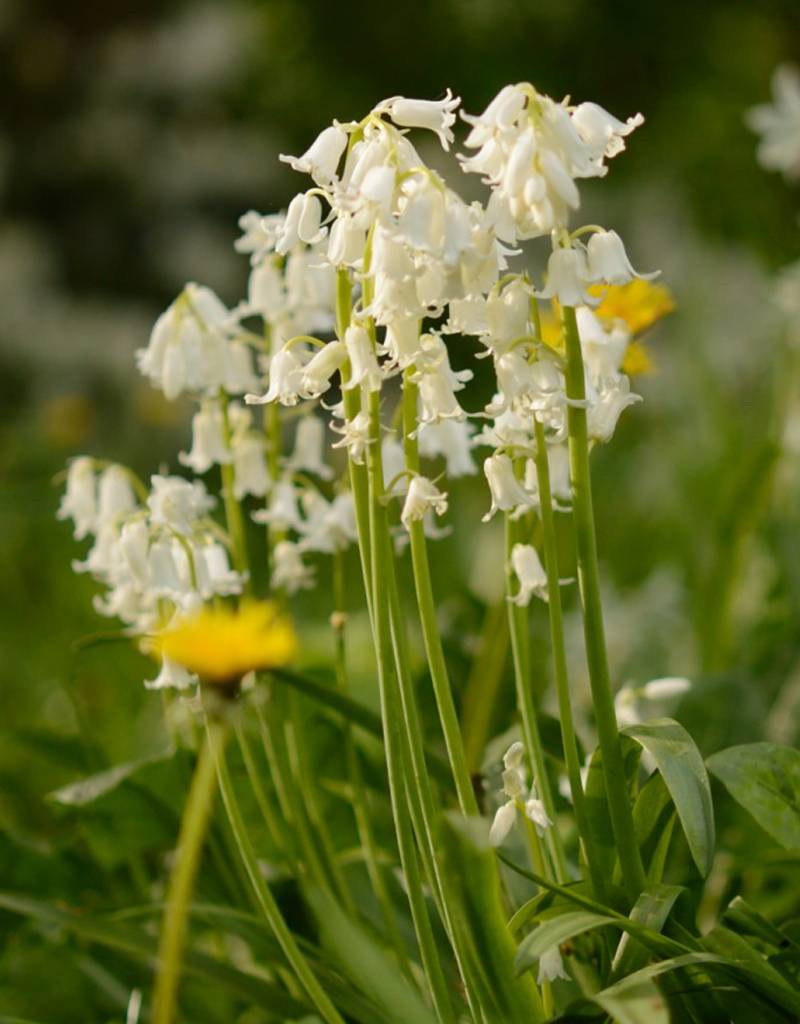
[377, 273]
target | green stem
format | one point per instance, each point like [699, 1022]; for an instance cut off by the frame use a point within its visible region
[266, 901]
[399, 783]
[359, 794]
[589, 584]
[518, 628]
[560, 659]
[233, 510]
[194, 824]
[483, 684]
[448, 717]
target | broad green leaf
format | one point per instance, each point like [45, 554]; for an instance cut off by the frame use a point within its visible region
[681, 766]
[765, 779]
[651, 909]
[472, 873]
[598, 817]
[653, 822]
[638, 1004]
[366, 963]
[557, 930]
[746, 920]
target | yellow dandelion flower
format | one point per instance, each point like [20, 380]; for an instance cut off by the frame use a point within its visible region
[551, 331]
[640, 304]
[221, 644]
[636, 360]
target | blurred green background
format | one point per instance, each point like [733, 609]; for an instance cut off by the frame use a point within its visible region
[133, 136]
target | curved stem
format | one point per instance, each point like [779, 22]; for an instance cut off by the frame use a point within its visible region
[448, 717]
[560, 659]
[194, 824]
[265, 899]
[588, 579]
[518, 627]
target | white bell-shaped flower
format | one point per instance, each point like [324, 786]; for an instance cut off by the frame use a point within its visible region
[164, 565]
[436, 115]
[214, 572]
[282, 511]
[289, 572]
[355, 436]
[568, 278]
[329, 526]
[178, 503]
[608, 262]
[317, 373]
[603, 133]
[452, 439]
[115, 493]
[402, 341]
[322, 157]
[536, 813]
[364, 369]
[422, 495]
[239, 374]
[551, 966]
[171, 676]
[508, 494]
[604, 412]
[79, 502]
[308, 455]
[503, 823]
[250, 474]
[134, 545]
[209, 447]
[285, 380]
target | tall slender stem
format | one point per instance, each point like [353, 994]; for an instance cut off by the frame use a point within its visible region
[265, 899]
[194, 824]
[518, 627]
[359, 794]
[559, 657]
[588, 580]
[448, 717]
[391, 717]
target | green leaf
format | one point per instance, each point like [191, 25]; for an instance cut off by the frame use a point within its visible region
[651, 909]
[764, 778]
[598, 817]
[557, 930]
[638, 1004]
[653, 822]
[85, 791]
[140, 946]
[681, 766]
[366, 963]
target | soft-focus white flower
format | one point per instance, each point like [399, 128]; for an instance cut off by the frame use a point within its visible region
[603, 346]
[250, 474]
[115, 493]
[422, 495]
[402, 341]
[536, 813]
[328, 526]
[608, 262]
[259, 234]
[171, 676]
[303, 220]
[778, 124]
[214, 572]
[453, 439]
[503, 823]
[282, 511]
[178, 503]
[603, 133]
[630, 701]
[308, 455]
[165, 561]
[508, 494]
[560, 483]
[79, 502]
[322, 157]
[551, 966]
[134, 546]
[435, 115]
[289, 572]
[393, 463]
[528, 569]
[209, 447]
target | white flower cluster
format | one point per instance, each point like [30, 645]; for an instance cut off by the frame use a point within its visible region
[156, 557]
[778, 124]
[514, 788]
[382, 236]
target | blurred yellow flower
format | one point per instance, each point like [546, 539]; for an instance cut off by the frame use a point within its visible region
[640, 304]
[221, 644]
[636, 360]
[66, 420]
